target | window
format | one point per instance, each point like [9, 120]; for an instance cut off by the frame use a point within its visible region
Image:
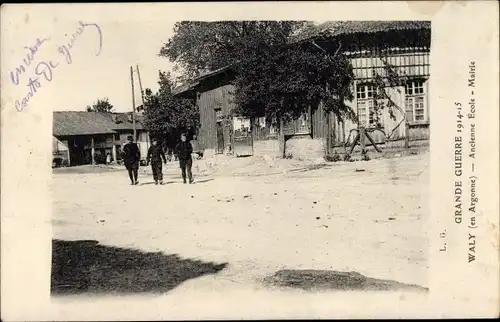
[303, 124]
[261, 121]
[272, 128]
[218, 114]
[117, 136]
[365, 94]
[415, 101]
[365, 112]
[365, 91]
[414, 88]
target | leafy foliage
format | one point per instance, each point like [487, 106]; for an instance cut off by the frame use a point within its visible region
[383, 100]
[102, 105]
[272, 79]
[199, 47]
[283, 83]
[166, 116]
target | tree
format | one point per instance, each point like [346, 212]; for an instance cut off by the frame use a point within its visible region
[198, 47]
[270, 80]
[281, 84]
[167, 116]
[102, 105]
[389, 79]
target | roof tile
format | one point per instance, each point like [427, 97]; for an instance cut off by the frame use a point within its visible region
[66, 123]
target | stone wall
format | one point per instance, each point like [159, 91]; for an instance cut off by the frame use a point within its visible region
[269, 147]
[304, 147]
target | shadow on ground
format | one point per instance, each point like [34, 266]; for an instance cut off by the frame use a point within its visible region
[203, 180]
[311, 280]
[177, 182]
[312, 167]
[84, 169]
[86, 267]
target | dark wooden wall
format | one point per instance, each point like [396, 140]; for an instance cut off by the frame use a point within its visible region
[319, 122]
[214, 104]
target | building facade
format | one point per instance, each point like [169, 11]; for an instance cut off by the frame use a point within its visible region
[91, 136]
[375, 50]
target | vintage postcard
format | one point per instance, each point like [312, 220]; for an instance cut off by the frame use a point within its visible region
[279, 160]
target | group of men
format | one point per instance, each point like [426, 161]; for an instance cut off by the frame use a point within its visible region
[156, 157]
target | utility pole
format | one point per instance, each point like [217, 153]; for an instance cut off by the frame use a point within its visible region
[140, 85]
[133, 102]
[142, 97]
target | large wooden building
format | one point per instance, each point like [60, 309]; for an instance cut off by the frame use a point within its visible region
[371, 47]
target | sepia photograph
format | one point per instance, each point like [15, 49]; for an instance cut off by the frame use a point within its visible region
[274, 154]
[273, 160]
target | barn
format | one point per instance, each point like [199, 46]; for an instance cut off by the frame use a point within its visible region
[371, 46]
[90, 136]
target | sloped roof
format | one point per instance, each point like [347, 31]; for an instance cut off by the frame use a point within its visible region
[339, 28]
[186, 87]
[182, 88]
[67, 123]
[123, 121]
[329, 29]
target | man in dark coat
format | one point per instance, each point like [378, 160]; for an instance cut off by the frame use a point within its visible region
[155, 157]
[131, 158]
[184, 150]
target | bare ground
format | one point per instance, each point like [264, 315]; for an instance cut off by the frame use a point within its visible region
[242, 222]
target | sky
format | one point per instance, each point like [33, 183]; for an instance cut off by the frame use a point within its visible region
[130, 34]
[121, 43]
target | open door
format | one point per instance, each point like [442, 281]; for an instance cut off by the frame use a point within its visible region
[243, 140]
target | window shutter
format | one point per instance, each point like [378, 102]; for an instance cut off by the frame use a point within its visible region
[409, 108]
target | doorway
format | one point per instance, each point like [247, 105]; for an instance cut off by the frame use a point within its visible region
[76, 146]
[220, 138]
[242, 137]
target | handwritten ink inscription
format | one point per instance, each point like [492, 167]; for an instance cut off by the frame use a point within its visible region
[30, 56]
[65, 50]
[44, 70]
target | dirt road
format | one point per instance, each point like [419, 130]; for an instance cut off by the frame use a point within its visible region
[367, 217]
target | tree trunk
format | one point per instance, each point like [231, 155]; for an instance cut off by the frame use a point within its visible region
[281, 139]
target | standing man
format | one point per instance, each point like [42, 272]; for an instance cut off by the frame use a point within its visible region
[184, 150]
[155, 157]
[131, 158]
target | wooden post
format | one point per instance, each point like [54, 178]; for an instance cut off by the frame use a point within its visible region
[362, 138]
[356, 140]
[113, 151]
[133, 103]
[329, 133]
[407, 135]
[93, 150]
[281, 139]
[343, 130]
[372, 142]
